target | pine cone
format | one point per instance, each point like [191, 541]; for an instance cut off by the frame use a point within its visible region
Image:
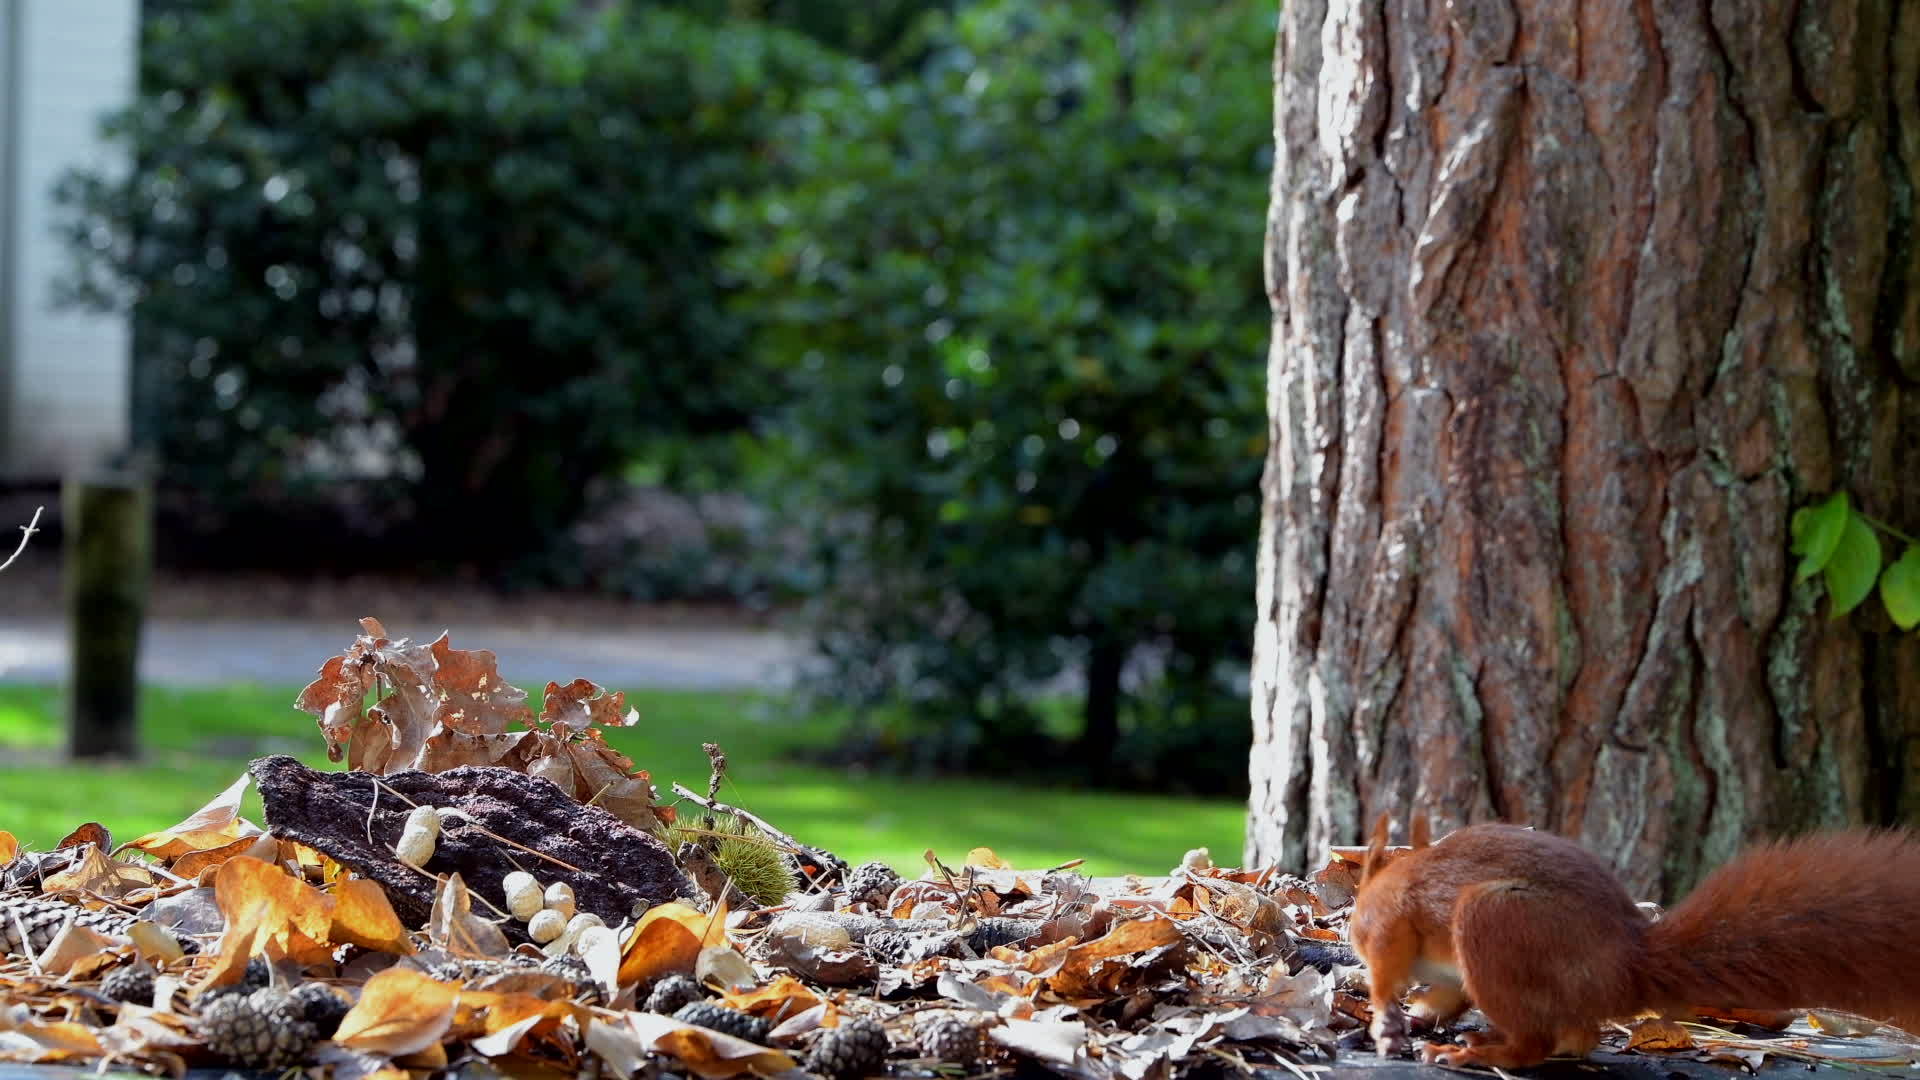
[258, 976]
[1001, 931]
[321, 1005]
[266, 1029]
[717, 1017]
[871, 884]
[131, 984]
[671, 992]
[855, 1049]
[950, 1038]
[574, 969]
[28, 923]
[890, 946]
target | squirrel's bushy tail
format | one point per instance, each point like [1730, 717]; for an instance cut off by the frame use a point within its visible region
[1823, 921]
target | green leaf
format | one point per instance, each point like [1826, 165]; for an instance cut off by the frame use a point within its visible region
[1816, 533]
[1900, 589]
[1854, 566]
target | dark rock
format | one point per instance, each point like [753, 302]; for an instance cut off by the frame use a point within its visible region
[622, 869]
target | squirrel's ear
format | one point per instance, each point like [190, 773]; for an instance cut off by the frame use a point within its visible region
[1376, 848]
[1421, 832]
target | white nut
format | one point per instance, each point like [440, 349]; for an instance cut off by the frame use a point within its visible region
[425, 817]
[560, 898]
[523, 894]
[415, 846]
[583, 920]
[545, 926]
[593, 937]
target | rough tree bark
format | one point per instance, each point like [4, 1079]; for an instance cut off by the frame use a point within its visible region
[1574, 303]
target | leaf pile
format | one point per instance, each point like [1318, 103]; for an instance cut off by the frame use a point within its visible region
[152, 954]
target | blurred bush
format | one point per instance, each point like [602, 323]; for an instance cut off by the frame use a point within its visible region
[1017, 298]
[430, 272]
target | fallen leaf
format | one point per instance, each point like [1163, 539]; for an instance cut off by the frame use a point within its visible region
[270, 906]
[214, 825]
[91, 833]
[785, 996]
[453, 926]
[70, 946]
[93, 872]
[668, 941]
[581, 705]
[362, 916]
[1658, 1034]
[400, 1012]
[154, 944]
[711, 1054]
[9, 847]
[194, 863]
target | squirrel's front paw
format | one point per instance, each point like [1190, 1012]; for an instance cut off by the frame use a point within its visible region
[1446, 1054]
[1389, 1029]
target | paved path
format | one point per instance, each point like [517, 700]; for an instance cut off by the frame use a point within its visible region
[287, 652]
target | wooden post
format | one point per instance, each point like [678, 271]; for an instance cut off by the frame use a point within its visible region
[109, 548]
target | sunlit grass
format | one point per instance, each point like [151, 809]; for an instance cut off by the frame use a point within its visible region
[197, 741]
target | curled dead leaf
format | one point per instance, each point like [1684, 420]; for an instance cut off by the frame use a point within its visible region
[400, 1012]
[668, 941]
[1658, 1034]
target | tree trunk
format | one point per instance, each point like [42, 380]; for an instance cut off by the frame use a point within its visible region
[1573, 305]
[109, 543]
[1100, 734]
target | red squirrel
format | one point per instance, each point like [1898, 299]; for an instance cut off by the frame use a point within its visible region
[1537, 933]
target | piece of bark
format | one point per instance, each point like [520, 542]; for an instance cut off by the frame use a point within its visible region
[621, 870]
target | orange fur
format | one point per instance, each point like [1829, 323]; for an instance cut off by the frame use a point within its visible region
[1536, 932]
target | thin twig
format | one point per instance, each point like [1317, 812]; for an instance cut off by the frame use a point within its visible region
[26, 533]
[714, 806]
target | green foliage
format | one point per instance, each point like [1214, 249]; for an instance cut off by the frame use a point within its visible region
[442, 255]
[1836, 540]
[874, 30]
[1017, 298]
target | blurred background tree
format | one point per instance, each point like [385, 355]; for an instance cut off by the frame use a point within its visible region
[1014, 301]
[968, 289]
[431, 274]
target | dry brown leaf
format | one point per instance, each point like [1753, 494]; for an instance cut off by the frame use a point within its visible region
[9, 847]
[271, 907]
[668, 941]
[1658, 1034]
[785, 996]
[400, 1012]
[1086, 972]
[453, 926]
[70, 946]
[710, 1054]
[363, 916]
[91, 833]
[581, 704]
[214, 825]
[195, 863]
[93, 872]
[46, 1041]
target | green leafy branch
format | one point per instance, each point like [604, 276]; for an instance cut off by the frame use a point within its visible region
[1834, 539]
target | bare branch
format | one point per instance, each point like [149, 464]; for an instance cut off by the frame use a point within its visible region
[26, 533]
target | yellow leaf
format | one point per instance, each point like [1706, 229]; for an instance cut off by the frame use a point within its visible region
[362, 916]
[400, 1012]
[9, 847]
[668, 941]
[267, 904]
[984, 858]
[213, 825]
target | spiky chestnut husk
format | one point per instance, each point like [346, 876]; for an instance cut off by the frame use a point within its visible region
[129, 984]
[717, 1017]
[871, 883]
[265, 1029]
[671, 992]
[755, 867]
[855, 1049]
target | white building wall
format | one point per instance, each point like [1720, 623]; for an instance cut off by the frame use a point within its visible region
[65, 372]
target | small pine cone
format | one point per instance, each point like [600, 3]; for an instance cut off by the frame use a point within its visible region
[855, 1049]
[871, 884]
[130, 984]
[1001, 931]
[717, 1017]
[262, 1030]
[455, 971]
[672, 992]
[890, 946]
[574, 970]
[950, 1038]
[259, 974]
[321, 1005]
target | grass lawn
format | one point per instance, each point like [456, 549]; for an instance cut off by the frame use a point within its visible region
[198, 740]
